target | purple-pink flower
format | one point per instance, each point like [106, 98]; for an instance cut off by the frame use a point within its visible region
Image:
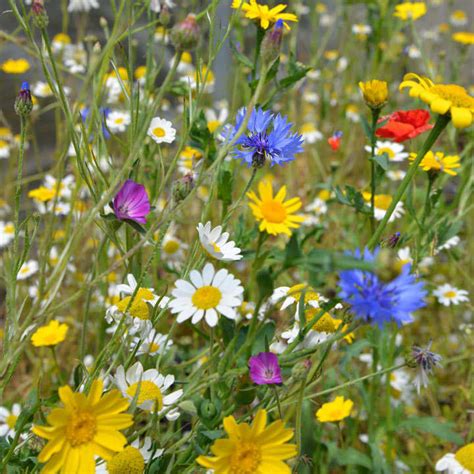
[131, 202]
[264, 369]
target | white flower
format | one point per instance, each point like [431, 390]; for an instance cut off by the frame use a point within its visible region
[413, 52]
[8, 420]
[452, 242]
[210, 293]
[310, 133]
[217, 119]
[131, 454]
[161, 131]
[449, 295]
[152, 343]
[458, 18]
[395, 175]
[459, 462]
[117, 121]
[361, 30]
[173, 248]
[41, 89]
[149, 388]
[311, 97]
[7, 233]
[4, 149]
[293, 294]
[215, 243]
[156, 5]
[394, 151]
[82, 5]
[65, 187]
[28, 269]
[352, 113]
[318, 206]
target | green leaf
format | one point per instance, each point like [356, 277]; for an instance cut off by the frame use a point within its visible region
[442, 430]
[265, 283]
[241, 58]
[136, 226]
[381, 160]
[351, 456]
[225, 181]
[293, 250]
[265, 333]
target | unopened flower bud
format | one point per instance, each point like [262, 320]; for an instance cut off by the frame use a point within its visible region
[185, 35]
[165, 16]
[182, 187]
[375, 93]
[300, 370]
[103, 22]
[23, 102]
[40, 16]
[271, 43]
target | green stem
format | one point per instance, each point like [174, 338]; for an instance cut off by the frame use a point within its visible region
[373, 140]
[427, 207]
[440, 125]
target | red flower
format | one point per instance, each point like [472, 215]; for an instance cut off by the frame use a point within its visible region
[335, 140]
[405, 124]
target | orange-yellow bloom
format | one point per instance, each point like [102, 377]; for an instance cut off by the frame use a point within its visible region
[267, 16]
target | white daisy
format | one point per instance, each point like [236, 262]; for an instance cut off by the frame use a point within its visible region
[413, 52]
[215, 243]
[173, 248]
[156, 5]
[151, 343]
[208, 294]
[82, 5]
[149, 388]
[352, 113]
[65, 187]
[117, 121]
[4, 149]
[448, 295]
[458, 18]
[135, 454]
[394, 151]
[41, 89]
[216, 118]
[28, 269]
[161, 131]
[8, 420]
[291, 295]
[361, 29]
[161, 35]
[7, 233]
[396, 175]
[460, 462]
[318, 206]
[452, 242]
[310, 133]
[382, 203]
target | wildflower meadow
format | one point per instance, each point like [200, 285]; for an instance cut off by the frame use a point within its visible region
[236, 236]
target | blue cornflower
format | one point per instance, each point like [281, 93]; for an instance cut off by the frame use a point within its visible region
[268, 136]
[104, 112]
[377, 301]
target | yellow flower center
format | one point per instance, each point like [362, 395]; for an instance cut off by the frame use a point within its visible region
[296, 290]
[308, 127]
[128, 461]
[215, 247]
[139, 307]
[119, 120]
[386, 150]
[154, 347]
[81, 428]
[465, 457]
[326, 322]
[245, 459]
[455, 94]
[450, 294]
[273, 211]
[3, 144]
[172, 246]
[148, 392]
[9, 229]
[207, 297]
[159, 132]
[213, 125]
[382, 201]
[11, 421]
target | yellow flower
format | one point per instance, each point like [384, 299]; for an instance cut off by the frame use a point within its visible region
[326, 323]
[42, 194]
[438, 162]
[274, 214]
[410, 10]
[138, 308]
[87, 426]
[140, 72]
[267, 16]
[375, 93]
[442, 98]
[336, 410]
[50, 334]
[15, 66]
[251, 449]
[464, 37]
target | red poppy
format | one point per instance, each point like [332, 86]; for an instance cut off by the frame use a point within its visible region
[335, 140]
[405, 124]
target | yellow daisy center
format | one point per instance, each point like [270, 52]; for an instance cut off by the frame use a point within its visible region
[139, 307]
[3, 144]
[11, 421]
[119, 120]
[213, 125]
[326, 322]
[273, 211]
[149, 391]
[215, 247]
[172, 246]
[81, 428]
[450, 294]
[386, 150]
[154, 347]
[455, 94]
[382, 201]
[159, 132]
[206, 297]
[245, 459]
[465, 457]
[128, 461]
[296, 290]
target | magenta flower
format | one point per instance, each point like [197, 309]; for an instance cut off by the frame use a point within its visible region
[131, 202]
[264, 369]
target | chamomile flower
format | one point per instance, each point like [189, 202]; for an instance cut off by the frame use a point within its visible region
[216, 244]
[7, 233]
[450, 243]
[216, 117]
[41, 89]
[189, 158]
[292, 295]
[148, 388]
[8, 420]
[133, 458]
[173, 248]
[209, 294]
[394, 151]
[352, 113]
[117, 121]
[448, 295]
[460, 462]
[382, 203]
[60, 41]
[161, 131]
[458, 18]
[361, 30]
[82, 5]
[152, 343]
[27, 270]
[395, 175]
[4, 149]
[310, 133]
[318, 206]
